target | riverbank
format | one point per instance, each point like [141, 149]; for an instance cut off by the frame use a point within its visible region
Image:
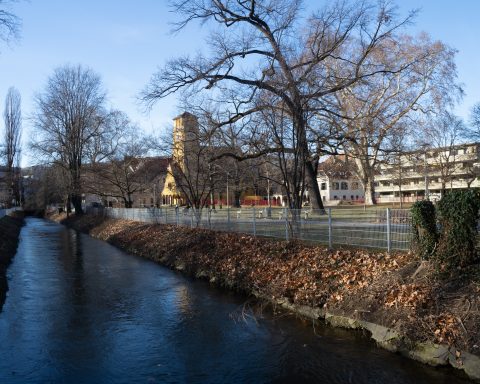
[10, 227]
[396, 298]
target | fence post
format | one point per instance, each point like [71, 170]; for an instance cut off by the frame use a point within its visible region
[287, 233]
[389, 237]
[177, 219]
[254, 222]
[330, 232]
[228, 218]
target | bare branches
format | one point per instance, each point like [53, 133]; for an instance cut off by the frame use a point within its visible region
[378, 109]
[472, 130]
[267, 58]
[68, 120]
[126, 170]
[13, 130]
[12, 116]
[9, 22]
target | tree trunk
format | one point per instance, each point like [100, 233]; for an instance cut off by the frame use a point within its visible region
[369, 191]
[128, 201]
[236, 198]
[367, 176]
[77, 203]
[315, 197]
[9, 183]
[69, 205]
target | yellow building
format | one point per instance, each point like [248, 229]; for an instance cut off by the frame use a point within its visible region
[185, 138]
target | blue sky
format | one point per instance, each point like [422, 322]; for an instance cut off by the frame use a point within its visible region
[125, 42]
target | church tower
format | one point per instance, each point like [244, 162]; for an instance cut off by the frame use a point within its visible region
[185, 142]
[185, 137]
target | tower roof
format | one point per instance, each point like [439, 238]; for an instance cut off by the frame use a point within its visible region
[185, 115]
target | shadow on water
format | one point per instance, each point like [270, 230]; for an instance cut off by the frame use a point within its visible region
[80, 310]
[3, 288]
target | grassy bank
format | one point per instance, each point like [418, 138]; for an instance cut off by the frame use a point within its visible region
[9, 231]
[397, 298]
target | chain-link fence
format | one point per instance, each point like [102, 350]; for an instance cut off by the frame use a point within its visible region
[373, 228]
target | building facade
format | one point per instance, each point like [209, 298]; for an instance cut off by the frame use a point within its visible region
[185, 139]
[428, 173]
[337, 181]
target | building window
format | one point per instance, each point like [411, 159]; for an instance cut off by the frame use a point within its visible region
[335, 197]
[344, 197]
[351, 197]
[344, 186]
[323, 186]
[335, 186]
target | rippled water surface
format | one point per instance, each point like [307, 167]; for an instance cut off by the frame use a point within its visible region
[81, 311]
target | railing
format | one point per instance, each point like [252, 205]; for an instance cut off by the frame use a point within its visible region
[384, 228]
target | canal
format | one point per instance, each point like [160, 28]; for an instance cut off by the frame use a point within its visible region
[81, 311]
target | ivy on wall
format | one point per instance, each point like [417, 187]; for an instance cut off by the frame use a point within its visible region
[458, 218]
[447, 233]
[425, 234]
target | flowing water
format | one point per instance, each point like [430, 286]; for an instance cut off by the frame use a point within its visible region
[81, 311]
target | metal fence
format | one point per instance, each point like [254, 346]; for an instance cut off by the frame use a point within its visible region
[366, 228]
[7, 211]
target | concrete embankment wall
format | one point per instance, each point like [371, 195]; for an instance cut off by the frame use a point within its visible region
[387, 295]
[10, 227]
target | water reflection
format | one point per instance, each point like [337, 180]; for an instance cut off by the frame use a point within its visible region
[79, 310]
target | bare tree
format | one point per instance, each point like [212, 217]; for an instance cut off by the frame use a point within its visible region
[9, 22]
[12, 116]
[44, 186]
[470, 168]
[121, 174]
[397, 161]
[196, 175]
[67, 122]
[371, 113]
[472, 131]
[267, 54]
[289, 162]
[114, 129]
[443, 136]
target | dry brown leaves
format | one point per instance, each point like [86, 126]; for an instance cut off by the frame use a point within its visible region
[407, 295]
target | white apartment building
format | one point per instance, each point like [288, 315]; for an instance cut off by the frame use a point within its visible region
[427, 172]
